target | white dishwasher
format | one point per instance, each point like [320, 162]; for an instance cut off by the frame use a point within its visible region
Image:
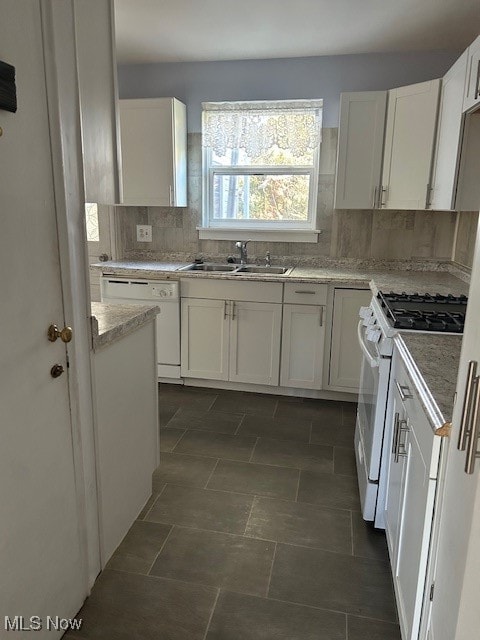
[166, 296]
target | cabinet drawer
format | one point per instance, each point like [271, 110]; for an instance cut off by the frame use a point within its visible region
[304, 293]
[214, 289]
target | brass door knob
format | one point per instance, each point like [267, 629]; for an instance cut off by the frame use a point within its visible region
[65, 335]
[56, 371]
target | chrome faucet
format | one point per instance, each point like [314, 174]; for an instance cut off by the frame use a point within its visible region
[242, 246]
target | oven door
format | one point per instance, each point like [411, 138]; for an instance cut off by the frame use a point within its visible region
[372, 402]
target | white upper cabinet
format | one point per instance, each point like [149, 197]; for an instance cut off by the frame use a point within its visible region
[472, 85]
[360, 148]
[409, 141]
[97, 82]
[154, 152]
[449, 135]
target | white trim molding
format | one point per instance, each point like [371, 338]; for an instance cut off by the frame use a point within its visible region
[260, 235]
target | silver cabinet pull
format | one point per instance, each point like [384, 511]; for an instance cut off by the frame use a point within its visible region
[321, 317]
[474, 431]
[233, 310]
[395, 432]
[311, 293]
[403, 390]
[467, 405]
[477, 85]
[383, 190]
[224, 309]
[401, 451]
[428, 198]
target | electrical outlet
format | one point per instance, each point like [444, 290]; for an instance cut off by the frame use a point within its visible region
[144, 232]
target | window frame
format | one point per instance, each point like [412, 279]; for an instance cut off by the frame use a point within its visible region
[280, 227]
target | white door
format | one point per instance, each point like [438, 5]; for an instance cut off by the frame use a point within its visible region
[395, 479]
[255, 342]
[409, 139]
[455, 614]
[345, 354]
[360, 149]
[42, 560]
[416, 522]
[472, 85]
[303, 341]
[449, 137]
[205, 338]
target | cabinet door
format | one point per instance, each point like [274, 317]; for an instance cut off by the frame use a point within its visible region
[360, 148]
[345, 354]
[449, 137]
[409, 139]
[472, 85]
[204, 340]
[415, 527]
[303, 339]
[97, 83]
[395, 477]
[153, 162]
[255, 342]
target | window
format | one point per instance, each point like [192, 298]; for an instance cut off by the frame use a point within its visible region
[261, 165]
[91, 217]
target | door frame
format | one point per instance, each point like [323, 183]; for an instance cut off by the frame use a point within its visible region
[63, 100]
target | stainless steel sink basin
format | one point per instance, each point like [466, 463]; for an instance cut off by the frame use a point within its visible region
[237, 269]
[210, 267]
[264, 270]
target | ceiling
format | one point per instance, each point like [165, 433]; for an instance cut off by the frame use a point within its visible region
[186, 30]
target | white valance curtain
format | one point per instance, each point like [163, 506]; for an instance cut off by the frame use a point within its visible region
[257, 126]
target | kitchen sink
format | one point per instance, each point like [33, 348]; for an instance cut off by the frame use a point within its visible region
[264, 270]
[209, 267]
[237, 269]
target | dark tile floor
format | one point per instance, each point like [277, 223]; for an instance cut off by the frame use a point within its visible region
[253, 531]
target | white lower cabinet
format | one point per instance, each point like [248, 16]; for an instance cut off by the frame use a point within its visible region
[410, 498]
[303, 340]
[232, 340]
[255, 342]
[345, 354]
[204, 339]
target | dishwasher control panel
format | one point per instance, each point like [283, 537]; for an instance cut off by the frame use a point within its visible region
[117, 289]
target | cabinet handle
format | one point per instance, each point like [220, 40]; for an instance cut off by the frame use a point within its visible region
[466, 411]
[395, 432]
[403, 390]
[312, 293]
[474, 431]
[233, 310]
[428, 202]
[402, 428]
[477, 84]
[224, 309]
[374, 203]
[321, 317]
[383, 190]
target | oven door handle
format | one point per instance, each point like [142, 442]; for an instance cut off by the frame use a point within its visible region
[373, 362]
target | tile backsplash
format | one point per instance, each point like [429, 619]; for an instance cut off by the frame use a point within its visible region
[365, 234]
[465, 238]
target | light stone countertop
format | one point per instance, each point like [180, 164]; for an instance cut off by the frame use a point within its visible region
[110, 322]
[378, 278]
[432, 364]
